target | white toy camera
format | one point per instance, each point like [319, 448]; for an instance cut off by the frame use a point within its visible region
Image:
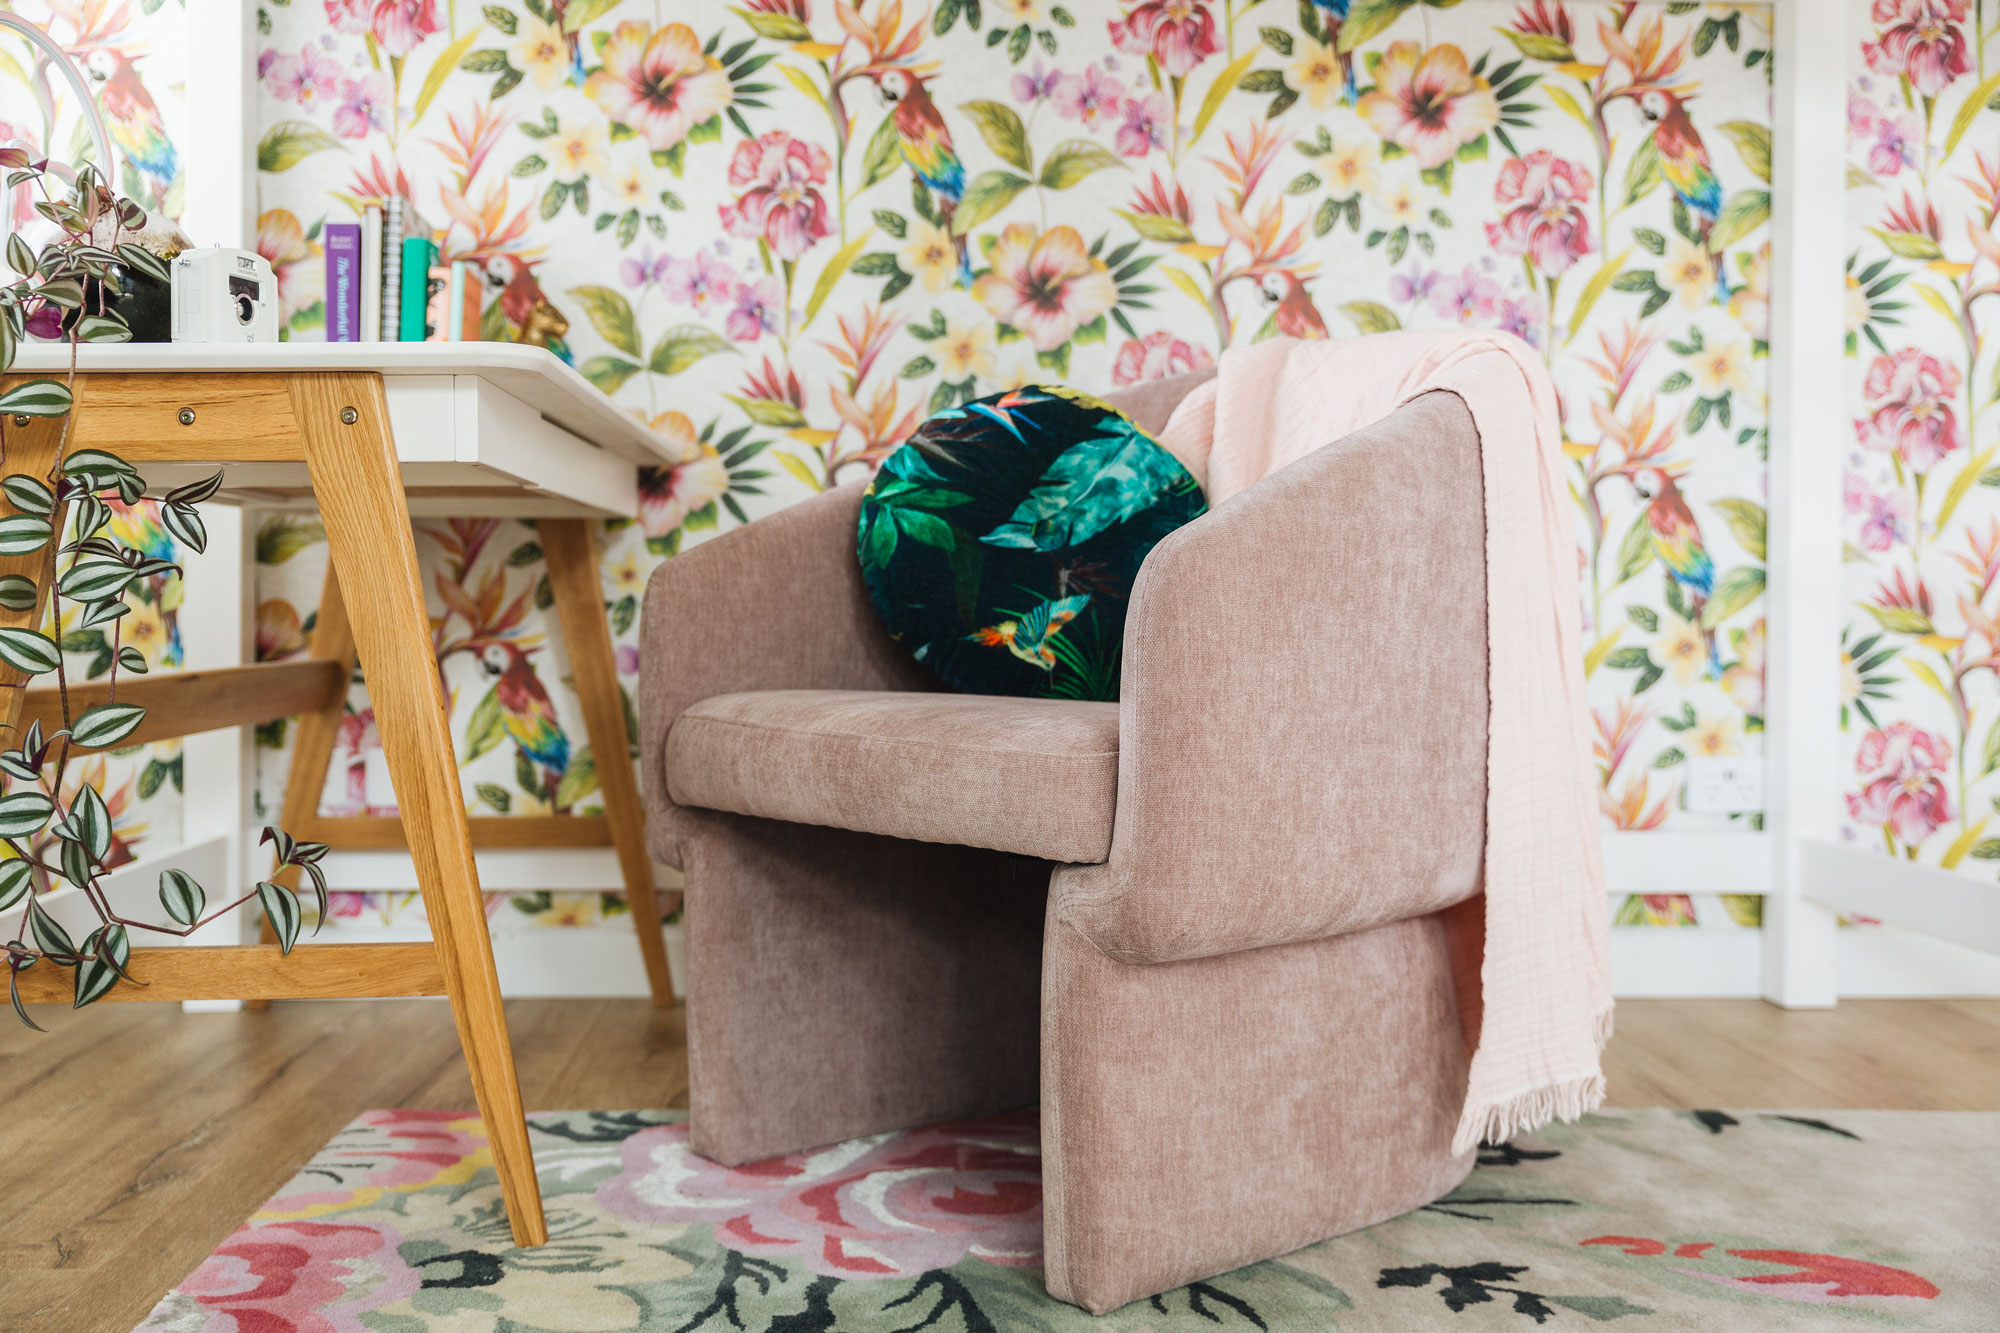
[224, 296]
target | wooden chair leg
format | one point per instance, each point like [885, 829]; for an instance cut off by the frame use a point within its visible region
[578, 590]
[29, 449]
[317, 735]
[351, 455]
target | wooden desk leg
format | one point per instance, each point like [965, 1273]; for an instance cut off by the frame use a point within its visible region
[317, 734]
[344, 423]
[579, 597]
[29, 449]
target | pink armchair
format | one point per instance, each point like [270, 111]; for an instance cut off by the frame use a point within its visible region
[1203, 925]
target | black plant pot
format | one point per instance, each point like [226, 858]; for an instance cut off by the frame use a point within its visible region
[145, 302]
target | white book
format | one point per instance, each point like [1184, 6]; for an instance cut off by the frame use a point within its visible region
[390, 298]
[371, 274]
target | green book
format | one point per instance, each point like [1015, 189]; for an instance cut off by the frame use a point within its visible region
[418, 256]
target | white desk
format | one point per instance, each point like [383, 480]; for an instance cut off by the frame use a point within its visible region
[370, 433]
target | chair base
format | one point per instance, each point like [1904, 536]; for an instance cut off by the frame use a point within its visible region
[1196, 1116]
[1203, 1115]
[842, 984]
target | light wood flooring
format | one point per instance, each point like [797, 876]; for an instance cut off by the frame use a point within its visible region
[134, 1137]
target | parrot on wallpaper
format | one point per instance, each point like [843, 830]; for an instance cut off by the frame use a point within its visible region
[526, 711]
[1684, 163]
[1677, 541]
[1296, 316]
[1028, 638]
[1333, 13]
[133, 121]
[926, 144]
[557, 10]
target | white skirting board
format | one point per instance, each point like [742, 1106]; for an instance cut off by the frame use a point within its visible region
[1716, 959]
[1871, 962]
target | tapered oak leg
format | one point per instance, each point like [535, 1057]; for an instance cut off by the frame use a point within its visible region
[314, 740]
[579, 598]
[30, 449]
[344, 423]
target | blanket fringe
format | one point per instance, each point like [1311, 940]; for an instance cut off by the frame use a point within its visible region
[1530, 1110]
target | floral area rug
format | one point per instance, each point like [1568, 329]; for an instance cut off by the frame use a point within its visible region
[1641, 1220]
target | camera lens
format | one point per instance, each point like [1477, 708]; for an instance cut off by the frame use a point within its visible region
[246, 309]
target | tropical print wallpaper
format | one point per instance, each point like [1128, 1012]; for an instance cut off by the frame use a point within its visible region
[784, 231]
[1922, 644]
[134, 55]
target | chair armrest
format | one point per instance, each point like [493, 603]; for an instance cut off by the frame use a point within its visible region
[777, 604]
[1302, 733]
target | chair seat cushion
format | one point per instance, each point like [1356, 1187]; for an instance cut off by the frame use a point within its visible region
[1034, 776]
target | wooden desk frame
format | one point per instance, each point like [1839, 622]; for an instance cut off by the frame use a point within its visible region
[373, 611]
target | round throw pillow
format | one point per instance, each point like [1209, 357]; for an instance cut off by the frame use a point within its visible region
[1000, 542]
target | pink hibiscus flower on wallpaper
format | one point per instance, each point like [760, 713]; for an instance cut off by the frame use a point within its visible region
[1885, 515]
[1156, 356]
[1902, 770]
[658, 82]
[304, 78]
[781, 204]
[1919, 40]
[364, 105]
[396, 25]
[667, 495]
[1544, 198]
[920, 1200]
[1089, 97]
[1911, 395]
[1178, 34]
[1046, 285]
[1429, 101]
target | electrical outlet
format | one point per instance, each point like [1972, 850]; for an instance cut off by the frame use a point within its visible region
[1725, 784]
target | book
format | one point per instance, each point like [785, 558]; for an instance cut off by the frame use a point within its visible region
[343, 282]
[418, 255]
[371, 274]
[392, 269]
[458, 319]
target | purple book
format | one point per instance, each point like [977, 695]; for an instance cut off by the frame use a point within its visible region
[343, 282]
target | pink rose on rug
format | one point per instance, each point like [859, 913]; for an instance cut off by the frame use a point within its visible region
[388, 1150]
[294, 1277]
[884, 1206]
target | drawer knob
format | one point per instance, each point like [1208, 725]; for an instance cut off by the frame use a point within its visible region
[348, 416]
[187, 416]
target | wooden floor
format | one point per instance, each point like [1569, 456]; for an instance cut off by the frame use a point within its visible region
[134, 1137]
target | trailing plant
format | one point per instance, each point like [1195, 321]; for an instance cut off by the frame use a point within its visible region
[66, 291]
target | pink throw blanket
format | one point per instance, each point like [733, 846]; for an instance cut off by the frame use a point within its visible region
[1533, 968]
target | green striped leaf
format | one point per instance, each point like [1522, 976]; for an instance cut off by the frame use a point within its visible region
[28, 652]
[106, 724]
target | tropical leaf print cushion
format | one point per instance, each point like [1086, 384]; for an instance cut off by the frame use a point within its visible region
[1000, 542]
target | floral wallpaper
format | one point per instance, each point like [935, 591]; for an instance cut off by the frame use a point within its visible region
[134, 55]
[1922, 643]
[784, 231]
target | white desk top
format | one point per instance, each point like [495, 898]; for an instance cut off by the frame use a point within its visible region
[534, 375]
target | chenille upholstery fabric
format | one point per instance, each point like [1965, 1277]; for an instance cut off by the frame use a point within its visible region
[1244, 1018]
[1037, 777]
